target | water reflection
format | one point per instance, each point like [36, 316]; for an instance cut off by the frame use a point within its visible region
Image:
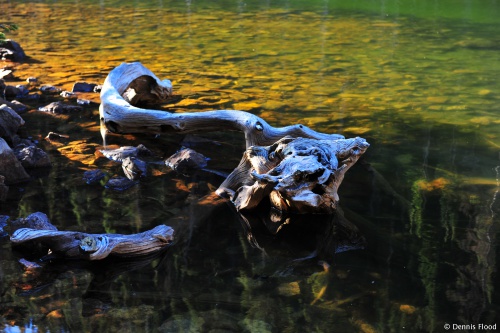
[418, 80]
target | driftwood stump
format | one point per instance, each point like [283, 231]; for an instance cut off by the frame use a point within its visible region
[298, 175]
[299, 169]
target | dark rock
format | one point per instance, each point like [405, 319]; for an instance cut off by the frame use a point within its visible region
[29, 265]
[3, 223]
[10, 167]
[32, 80]
[11, 50]
[83, 87]
[60, 108]
[38, 221]
[22, 91]
[84, 102]
[120, 184]
[32, 157]
[46, 89]
[68, 94]
[18, 142]
[118, 155]
[134, 168]
[93, 176]
[10, 122]
[186, 160]
[17, 106]
[4, 189]
[11, 92]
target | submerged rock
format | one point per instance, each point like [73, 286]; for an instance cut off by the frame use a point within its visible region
[186, 160]
[37, 220]
[10, 122]
[11, 50]
[93, 176]
[120, 184]
[60, 108]
[32, 157]
[84, 102]
[16, 106]
[3, 223]
[119, 154]
[68, 94]
[10, 167]
[29, 265]
[134, 168]
[46, 89]
[32, 80]
[4, 189]
[83, 87]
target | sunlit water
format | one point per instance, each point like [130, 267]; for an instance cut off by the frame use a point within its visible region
[419, 82]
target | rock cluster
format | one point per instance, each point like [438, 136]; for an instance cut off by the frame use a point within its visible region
[18, 156]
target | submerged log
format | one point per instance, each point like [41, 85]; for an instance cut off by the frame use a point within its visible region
[119, 116]
[79, 245]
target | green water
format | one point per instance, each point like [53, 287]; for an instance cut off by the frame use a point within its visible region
[417, 79]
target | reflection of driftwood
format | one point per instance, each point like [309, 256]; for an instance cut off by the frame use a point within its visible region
[297, 174]
[81, 245]
[317, 236]
[121, 117]
[300, 171]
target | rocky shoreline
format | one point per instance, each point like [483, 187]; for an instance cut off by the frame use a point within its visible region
[18, 155]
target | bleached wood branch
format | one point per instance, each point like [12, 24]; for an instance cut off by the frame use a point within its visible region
[80, 245]
[119, 116]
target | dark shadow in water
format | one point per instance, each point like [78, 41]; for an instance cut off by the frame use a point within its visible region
[305, 236]
[97, 298]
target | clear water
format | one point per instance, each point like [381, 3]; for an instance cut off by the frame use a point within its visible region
[418, 80]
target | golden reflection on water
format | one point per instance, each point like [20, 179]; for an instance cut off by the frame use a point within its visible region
[329, 71]
[424, 92]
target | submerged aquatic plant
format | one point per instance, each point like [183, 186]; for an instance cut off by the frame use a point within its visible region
[6, 27]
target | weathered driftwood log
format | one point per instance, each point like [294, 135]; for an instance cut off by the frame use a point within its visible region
[297, 174]
[119, 116]
[79, 245]
[300, 170]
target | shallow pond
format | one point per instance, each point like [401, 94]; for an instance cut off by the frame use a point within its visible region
[418, 80]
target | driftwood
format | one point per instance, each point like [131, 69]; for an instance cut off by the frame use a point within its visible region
[79, 245]
[119, 116]
[299, 169]
[298, 175]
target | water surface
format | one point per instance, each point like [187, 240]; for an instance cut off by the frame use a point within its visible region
[418, 80]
